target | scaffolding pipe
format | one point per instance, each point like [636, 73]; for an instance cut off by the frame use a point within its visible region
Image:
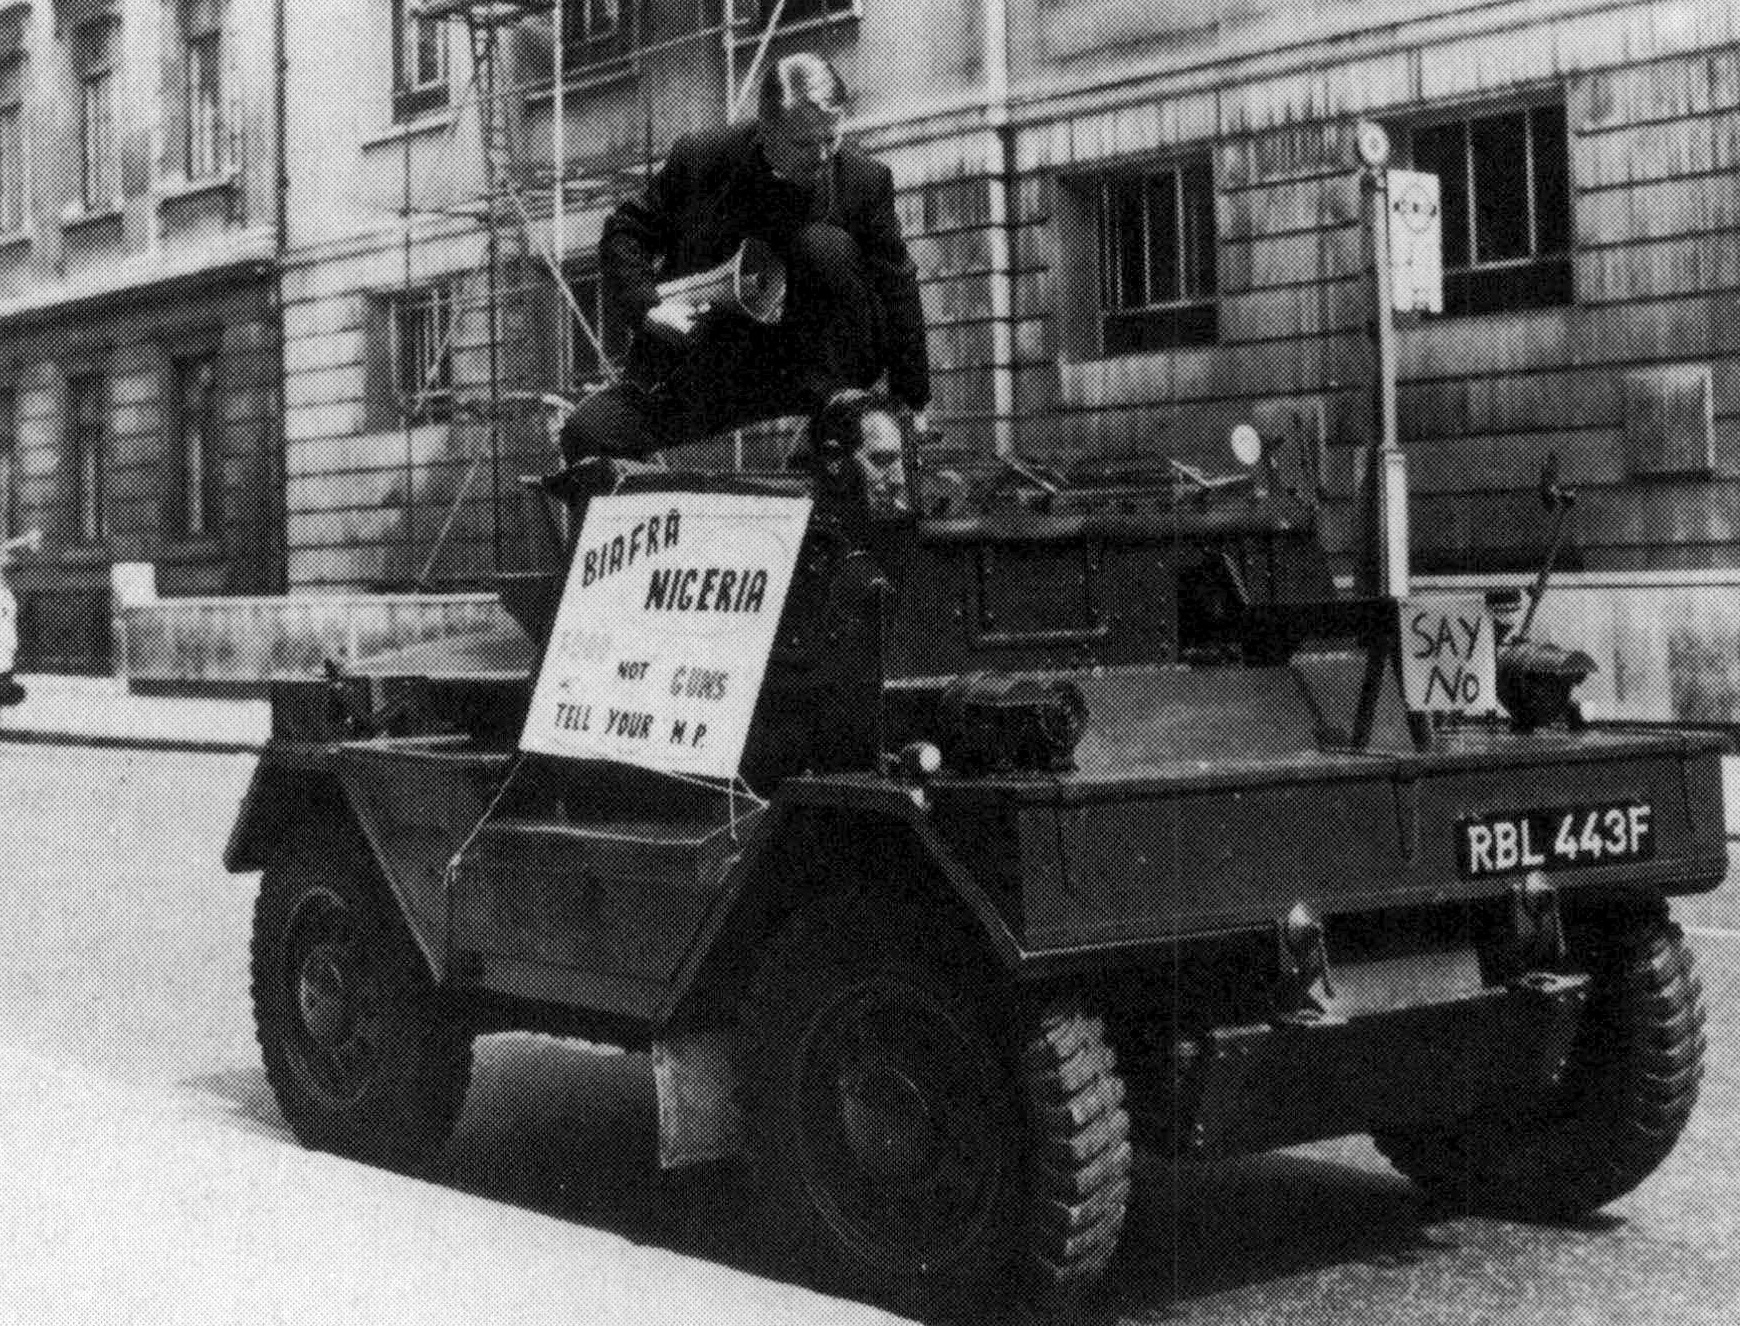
[728, 42]
[1002, 275]
[393, 332]
[559, 191]
[741, 95]
[492, 175]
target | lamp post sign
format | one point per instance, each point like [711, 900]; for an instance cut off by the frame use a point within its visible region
[1416, 242]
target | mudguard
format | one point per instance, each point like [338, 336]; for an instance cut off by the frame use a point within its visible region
[385, 797]
[292, 782]
[773, 867]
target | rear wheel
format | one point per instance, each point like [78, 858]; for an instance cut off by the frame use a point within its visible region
[362, 1056]
[911, 1140]
[1626, 1094]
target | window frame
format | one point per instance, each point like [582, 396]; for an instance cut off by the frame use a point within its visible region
[1188, 318]
[198, 489]
[87, 454]
[586, 283]
[14, 187]
[750, 26]
[96, 67]
[10, 506]
[1538, 278]
[418, 400]
[587, 54]
[414, 96]
[204, 152]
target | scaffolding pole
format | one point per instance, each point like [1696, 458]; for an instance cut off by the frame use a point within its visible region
[511, 202]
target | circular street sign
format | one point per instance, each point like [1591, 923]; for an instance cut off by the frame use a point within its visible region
[1373, 144]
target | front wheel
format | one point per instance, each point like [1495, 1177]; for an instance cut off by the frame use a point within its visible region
[362, 1056]
[915, 1142]
[1625, 1096]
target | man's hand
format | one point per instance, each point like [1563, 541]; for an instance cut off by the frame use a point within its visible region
[674, 320]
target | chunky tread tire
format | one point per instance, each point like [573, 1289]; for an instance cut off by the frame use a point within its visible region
[1628, 1091]
[405, 1061]
[1080, 1158]
[1051, 1103]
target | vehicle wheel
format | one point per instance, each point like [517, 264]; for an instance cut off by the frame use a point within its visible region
[362, 1056]
[911, 1141]
[1627, 1092]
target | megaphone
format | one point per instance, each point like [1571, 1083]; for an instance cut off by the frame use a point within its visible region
[752, 281]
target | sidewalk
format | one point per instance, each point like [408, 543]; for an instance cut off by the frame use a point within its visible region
[141, 1204]
[98, 711]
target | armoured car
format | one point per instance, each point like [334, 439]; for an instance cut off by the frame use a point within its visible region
[947, 828]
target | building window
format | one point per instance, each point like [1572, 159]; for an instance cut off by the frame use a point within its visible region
[1506, 186]
[198, 454]
[11, 130]
[422, 337]
[419, 61]
[604, 323]
[9, 476]
[596, 33]
[99, 162]
[796, 11]
[1157, 259]
[87, 452]
[202, 98]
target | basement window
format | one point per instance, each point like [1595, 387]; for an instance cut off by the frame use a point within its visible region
[87, 453]
[198, 451]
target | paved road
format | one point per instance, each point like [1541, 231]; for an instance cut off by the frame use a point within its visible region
[148, 1178]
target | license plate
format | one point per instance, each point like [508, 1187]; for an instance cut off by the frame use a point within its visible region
[1556, 838]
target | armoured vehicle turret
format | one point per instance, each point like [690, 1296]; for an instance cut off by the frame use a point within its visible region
[949, 827]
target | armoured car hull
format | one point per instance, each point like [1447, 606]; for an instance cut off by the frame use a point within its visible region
[1059, 826]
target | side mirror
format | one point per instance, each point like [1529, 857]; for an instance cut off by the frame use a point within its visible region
[1552, 493]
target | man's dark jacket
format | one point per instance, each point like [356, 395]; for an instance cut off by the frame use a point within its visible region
[715, 190]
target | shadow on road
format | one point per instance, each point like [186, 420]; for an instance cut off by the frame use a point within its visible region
[246, 1098]
[572, 1132]
[1199, 1230]
[560, 1129]
[564, 1130]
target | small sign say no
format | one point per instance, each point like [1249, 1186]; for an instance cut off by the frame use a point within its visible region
[1448, 660]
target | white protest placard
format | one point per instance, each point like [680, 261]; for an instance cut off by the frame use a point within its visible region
[662, 636]
[1416, 242]
[1449, 664]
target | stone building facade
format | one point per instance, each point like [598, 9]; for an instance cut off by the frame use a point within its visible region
[1135, 226]
[138, 347]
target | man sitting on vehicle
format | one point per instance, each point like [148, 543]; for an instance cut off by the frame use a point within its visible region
[857, 448]
[852, 315]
